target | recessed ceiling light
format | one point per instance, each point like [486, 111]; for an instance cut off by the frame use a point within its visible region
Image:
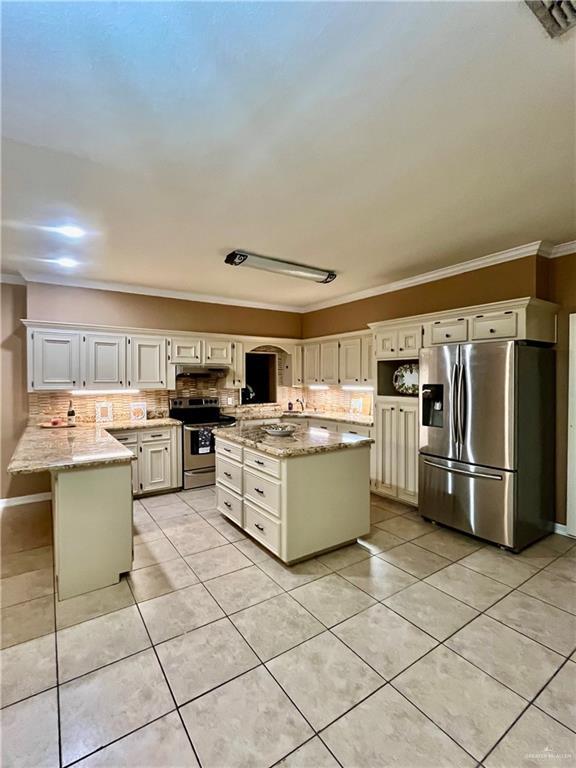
[68, 230]
[66, 261]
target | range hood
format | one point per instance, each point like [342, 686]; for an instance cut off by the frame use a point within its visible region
[218, 371]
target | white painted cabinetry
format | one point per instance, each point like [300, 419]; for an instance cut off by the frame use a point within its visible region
[401, 341]
[155, 466]
[329, 362]
[397, 448]
[186, 350]
[159, 457]
[311, 363]
[217, 352]
[350, 362]
[367, 359]
[54, 362]
[146, 362]
[103, 361]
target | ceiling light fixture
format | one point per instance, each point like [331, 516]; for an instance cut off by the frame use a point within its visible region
[244, 258]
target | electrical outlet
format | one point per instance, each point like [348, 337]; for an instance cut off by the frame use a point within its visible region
[230, 400]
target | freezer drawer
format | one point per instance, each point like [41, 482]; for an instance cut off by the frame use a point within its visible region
[473, 499]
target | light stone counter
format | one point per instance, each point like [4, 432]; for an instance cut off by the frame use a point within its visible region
[302, 442]
[86, 445]
[359, 419]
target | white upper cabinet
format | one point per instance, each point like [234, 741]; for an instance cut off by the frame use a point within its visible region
[329, 362]
[311, 363]
[351, 361]
[367, 359]
[217, 352]
[237, 376]
[54, 360]
[401, 341]
[297, 373]
[103, 361]
[409, 340]
[147, 362]
[186, 350]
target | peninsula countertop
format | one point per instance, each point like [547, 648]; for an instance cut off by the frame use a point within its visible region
[302, 442]
[85, 445]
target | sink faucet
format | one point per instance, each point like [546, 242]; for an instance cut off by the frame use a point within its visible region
[301, 404]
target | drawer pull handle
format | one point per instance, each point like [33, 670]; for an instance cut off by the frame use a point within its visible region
[228, 450]
[227, 504]
[260, 491]
[158, 435]
[492, 330]
[448, 335]
[257, 461]
[351, 431]
[227, 474]
[260, 527]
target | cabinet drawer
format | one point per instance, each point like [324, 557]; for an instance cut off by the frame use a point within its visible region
[502, 325]
[148, 436]
[229, 504]
[354, 429]
[263, 490]
[258, 524]
[125, 437]
[231, 450]
[330, 426]
[448, 331]
[262, 462]
[229, 473]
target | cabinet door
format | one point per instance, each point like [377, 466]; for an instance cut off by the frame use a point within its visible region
[407, 452]
[367, 359]
[56, 360]
[386, 414]
[147, 358]
[386, 344]
[187, 350]
[311, 363]
[238, 365]
[103, 361]
[297, 378]
[218, 352]
[155, 465]
[329, 362]
[409, 341]
[350, 362]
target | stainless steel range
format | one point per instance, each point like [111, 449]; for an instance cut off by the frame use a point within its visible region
[199, 416]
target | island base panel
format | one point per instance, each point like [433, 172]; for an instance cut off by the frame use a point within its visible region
[92, 514]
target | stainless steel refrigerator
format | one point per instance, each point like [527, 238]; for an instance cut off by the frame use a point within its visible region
[487, 416]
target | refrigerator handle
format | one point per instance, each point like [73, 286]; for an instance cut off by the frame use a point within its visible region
[461, 405]
[481, 475]
[453, 399]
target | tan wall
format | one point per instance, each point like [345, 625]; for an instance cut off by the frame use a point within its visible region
[85, 305]
[14, 399]
[560, 286]
[510, 280]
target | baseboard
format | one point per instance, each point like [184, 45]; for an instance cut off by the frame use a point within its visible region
[33, 498]
[562, 530]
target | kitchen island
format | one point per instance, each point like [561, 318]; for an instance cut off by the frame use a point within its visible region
[297, 495]
[91, 476]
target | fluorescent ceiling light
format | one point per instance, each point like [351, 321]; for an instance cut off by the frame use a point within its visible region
[246, 259]
[104, 391]
[357, 388]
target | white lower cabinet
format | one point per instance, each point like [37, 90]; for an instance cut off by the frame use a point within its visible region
[296, 506]
[396, 424]
[158, 451]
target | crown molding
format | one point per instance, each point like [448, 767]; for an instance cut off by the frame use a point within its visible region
[144, 290]
[12, 279]
[564, 249]
[537, 248]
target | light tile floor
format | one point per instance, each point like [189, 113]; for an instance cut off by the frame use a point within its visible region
[415, 648]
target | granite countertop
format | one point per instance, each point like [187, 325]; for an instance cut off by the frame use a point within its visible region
[86, 445]
[121, 426]
[348, 418]
[302, 442]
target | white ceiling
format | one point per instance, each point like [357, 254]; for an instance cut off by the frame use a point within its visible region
[381, 140]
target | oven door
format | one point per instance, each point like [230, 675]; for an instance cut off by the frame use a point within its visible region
[198, 450]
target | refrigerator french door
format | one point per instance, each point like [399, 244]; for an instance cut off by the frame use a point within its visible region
[486, 439]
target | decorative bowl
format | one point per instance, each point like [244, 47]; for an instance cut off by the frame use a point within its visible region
[279, 430]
